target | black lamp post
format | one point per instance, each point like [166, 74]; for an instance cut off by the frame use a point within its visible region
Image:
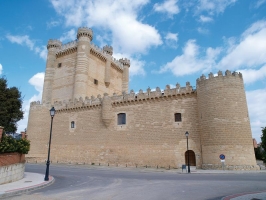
[52, 113]
[188, 166]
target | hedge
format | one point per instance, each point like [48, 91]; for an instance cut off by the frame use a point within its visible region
[10, 144]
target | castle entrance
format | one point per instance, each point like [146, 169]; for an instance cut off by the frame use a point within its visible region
[192, 158]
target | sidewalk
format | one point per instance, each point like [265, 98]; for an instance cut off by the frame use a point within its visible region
[31, 181]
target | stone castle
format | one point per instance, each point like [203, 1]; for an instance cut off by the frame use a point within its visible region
[98, 121]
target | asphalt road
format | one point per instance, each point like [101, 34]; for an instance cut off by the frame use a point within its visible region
[102, 183]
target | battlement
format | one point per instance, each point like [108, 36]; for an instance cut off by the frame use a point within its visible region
[228, 73]
[133, 97]
[54, 44]
[108, 49]
[125, 61]
[67, 48]
[85, 32]
[102, 53]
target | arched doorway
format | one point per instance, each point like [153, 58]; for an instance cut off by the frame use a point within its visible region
[192, 158]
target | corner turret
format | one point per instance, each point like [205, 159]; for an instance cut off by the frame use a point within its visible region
[84, 36]
[53, 46]
[85, 32]
[108, 49]
[126, 65]
[223, 120]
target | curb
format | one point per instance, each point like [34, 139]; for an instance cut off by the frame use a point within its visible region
[241, 195]
[10, 193]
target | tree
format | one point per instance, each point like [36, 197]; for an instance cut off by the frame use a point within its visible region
[263, 143]
[10, 106]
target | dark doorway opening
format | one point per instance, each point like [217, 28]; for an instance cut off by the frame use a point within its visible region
[192, 158]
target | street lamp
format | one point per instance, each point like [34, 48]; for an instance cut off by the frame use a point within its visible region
[188, 166]
[52, 113]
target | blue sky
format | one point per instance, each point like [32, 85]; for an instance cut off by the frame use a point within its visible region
[167, 42]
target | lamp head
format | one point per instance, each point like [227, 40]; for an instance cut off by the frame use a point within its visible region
[52, 112]
[186, 134]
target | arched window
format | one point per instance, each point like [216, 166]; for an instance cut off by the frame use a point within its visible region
[72, 124]
[178, 117]
[121, 118]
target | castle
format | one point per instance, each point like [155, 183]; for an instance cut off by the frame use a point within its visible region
[98, 121]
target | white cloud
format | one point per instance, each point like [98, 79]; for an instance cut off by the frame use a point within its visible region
[36, 81]
[24, 40]
[172, 36]
[253, 75]
[68, 36]
[1, 68]
[52, 24]
[119, 18]
[259, 3]
[214, 6]
[202, 30]
[191, 61]
[257, 108]
[120, 21]
[168, 6]
[171, 39]
[205, 19]
[251, 50]
[136, 65]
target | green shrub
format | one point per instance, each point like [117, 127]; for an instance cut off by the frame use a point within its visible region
[10, 144]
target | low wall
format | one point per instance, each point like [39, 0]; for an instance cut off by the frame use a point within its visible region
[12, 167]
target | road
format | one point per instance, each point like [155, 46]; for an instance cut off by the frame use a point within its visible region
[101, 183]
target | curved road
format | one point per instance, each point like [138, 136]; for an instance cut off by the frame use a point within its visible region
[100, 183]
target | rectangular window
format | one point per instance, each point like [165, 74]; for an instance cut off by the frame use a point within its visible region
[72, 124]
[95, 81]
[59, 65]
[121, 118]
[178, 117]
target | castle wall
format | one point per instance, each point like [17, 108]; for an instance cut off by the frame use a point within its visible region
[63, 79]
[150, 137]
[97, 71]
[224, 121]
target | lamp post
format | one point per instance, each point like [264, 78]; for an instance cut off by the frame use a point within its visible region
[52, 113]
[188, 166]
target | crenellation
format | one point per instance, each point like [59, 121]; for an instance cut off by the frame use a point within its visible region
[108, 49]
[228, 73]
[85, 32]
[54, 44]
[211, 75]
[125, 61]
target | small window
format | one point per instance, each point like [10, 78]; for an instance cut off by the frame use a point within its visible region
[121, 118]
[72, 124]
[59, 65]
[95, 81]
[178, 117]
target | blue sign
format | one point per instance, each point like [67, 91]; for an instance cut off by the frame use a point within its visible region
[222, 156]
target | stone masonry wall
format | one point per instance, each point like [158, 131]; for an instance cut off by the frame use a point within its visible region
[150, 137]
[224, 121]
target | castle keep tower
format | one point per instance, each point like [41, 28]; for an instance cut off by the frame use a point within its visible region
[80, 69]
[224, 121]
